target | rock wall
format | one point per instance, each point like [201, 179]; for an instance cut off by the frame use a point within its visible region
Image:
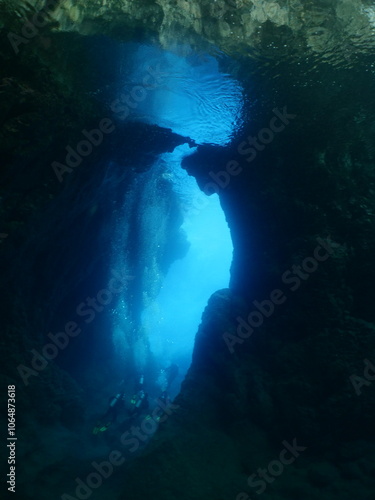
[237, 412]
[332, 31]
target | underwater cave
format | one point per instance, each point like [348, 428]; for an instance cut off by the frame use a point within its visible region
[186, 244]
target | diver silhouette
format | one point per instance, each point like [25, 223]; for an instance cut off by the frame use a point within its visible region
[116, 404]
[140, 402]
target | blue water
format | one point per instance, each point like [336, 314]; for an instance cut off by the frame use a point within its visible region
[173, 319]
[191, 96]
[195, 100]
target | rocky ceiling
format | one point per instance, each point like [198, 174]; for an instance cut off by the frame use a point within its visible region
[332, 30]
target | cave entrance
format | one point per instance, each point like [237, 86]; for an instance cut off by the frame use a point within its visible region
[172, 320]
[191, 95]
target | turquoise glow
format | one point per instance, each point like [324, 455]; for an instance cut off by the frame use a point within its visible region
[194, 99]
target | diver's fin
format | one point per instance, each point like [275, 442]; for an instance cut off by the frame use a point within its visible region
[104, 427]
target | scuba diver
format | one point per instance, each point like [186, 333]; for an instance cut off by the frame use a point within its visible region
[140, 382]
[164, 398]
[116, 404]
[140, 402]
